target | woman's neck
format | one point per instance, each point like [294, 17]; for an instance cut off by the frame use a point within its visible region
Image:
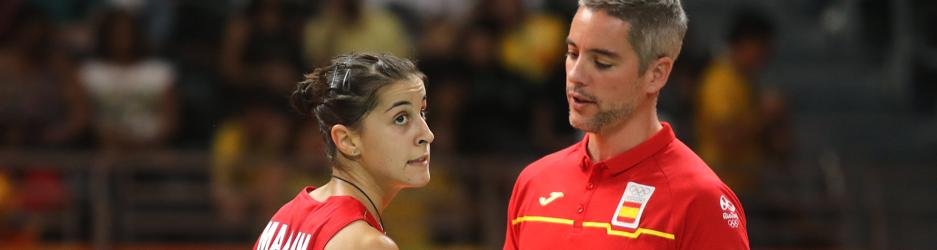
[374, 194]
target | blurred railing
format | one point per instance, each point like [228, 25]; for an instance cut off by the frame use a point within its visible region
[102, 192]
[164, 199]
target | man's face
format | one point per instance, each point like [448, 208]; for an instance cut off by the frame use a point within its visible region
[603, 85]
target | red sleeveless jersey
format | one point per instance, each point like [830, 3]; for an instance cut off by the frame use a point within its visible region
[305, 223]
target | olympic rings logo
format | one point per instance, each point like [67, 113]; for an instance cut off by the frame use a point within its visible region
[726, 204]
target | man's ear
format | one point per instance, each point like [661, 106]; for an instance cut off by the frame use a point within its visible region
[657, 74]
[346, 140]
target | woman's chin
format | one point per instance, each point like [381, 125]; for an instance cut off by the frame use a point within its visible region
[418, 181]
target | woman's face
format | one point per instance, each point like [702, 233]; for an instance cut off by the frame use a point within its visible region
[395, 138]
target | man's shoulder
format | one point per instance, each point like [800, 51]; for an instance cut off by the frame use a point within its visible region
[693, 185]
[694, 175]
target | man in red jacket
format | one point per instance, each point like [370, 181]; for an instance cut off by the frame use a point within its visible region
[629, 183]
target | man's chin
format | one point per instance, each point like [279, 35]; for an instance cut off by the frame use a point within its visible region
[580, 123]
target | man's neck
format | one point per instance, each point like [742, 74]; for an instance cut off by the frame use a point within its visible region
[611, 141]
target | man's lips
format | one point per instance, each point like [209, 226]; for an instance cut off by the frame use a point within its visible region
[580, 99]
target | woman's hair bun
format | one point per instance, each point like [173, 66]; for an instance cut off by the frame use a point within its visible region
[311, 92]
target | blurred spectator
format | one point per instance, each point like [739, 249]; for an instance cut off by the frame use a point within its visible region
[777, 134]
[529, 45]
[343, 26]
[676, 102]
[6, 192]
[154, 17]
[261, 58]
[200, 87]
[550, 114]
[730, 119]
[261, 47]
[41, 103]
[446, 81]
[15, 233]
[307, 148]
[133, 96]
[924, 71]
[496, 114]
[29, 201]
[450, 10]
[42, 106]
[248, 169]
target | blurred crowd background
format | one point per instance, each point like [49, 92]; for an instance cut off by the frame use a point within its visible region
[148, 124]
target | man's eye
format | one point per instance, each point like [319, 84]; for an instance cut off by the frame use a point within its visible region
[571, 54]
[602, 65]
[401, 119]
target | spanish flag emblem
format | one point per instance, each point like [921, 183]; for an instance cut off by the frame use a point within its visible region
[631, 206]
[628, 212]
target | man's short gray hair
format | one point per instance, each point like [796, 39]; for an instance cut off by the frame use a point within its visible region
[657, 26]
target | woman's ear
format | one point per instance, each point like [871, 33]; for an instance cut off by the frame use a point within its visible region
[657, 74]
[346, 141]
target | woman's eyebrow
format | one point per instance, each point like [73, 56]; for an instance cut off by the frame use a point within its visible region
[398, 103]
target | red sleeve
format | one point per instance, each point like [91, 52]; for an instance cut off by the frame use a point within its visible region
[714, 220]
[510, 237]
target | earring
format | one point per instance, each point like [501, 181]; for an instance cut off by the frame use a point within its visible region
[355, 152]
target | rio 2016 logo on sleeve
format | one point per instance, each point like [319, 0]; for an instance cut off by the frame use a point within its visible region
[728, 212]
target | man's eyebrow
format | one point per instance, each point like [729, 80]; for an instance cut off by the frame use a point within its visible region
[604, 52]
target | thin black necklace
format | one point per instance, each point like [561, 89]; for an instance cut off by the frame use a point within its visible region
[369, 200]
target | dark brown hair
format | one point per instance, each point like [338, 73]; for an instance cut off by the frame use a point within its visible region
[346, 90]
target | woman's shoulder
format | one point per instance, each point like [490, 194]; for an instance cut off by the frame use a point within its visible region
[320, 220]
[360, 235]
[345, 204]
[330, 207]
[304, 209]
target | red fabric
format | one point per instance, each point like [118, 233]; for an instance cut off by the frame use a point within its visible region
[684, 210]
[316, 222]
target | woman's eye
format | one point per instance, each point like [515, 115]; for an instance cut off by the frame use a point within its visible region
[571, 54]
[401, 119]
[424, 114]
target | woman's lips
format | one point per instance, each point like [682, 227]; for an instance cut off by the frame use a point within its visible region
[422, 161]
